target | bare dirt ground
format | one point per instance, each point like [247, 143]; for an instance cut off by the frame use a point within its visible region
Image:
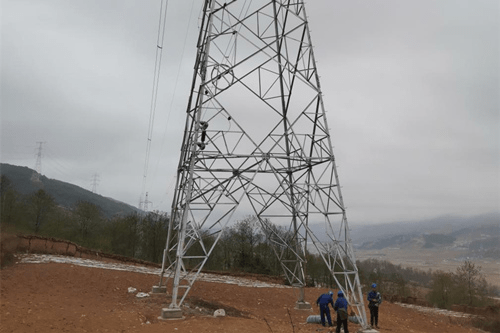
[59, 297]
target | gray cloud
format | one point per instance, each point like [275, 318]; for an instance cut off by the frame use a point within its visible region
[411, 89]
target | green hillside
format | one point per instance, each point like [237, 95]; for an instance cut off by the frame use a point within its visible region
[64, 194]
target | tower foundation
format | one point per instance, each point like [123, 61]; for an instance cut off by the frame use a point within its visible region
[167, 314]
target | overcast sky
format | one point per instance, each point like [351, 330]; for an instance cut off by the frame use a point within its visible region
[411, 89]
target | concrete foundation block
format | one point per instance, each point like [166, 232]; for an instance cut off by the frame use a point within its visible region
[159, 290]
[303, 306]
[167, 313]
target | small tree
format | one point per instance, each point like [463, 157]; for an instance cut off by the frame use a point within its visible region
[153, 229]
[8, 200]
[41, 204]
[471, 281]
[442, 290]
[124, 235]
[247, 235]
[88, 217]
[225, 253]
[401, 285]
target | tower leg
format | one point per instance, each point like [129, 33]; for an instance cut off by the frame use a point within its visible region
[301, 304]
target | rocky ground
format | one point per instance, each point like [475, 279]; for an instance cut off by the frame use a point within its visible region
[64, 294]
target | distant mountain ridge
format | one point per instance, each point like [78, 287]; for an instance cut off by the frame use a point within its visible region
[480, 235]
[452, 225]
[64, 194]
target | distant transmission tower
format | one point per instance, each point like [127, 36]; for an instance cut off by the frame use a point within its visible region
[256, 141]
[146, 203]
[35, 176]
[95, 182]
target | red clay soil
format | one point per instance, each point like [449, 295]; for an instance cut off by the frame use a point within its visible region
[66, 298]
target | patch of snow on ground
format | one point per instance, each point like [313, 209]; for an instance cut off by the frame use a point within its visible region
[48, 258]
[437, 311]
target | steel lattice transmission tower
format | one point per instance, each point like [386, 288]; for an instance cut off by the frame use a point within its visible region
[256, 141]
[95, 182]
[35, 176]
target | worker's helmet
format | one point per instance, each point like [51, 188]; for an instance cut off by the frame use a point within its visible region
[374, 285]
[330, 293]
[340, 293]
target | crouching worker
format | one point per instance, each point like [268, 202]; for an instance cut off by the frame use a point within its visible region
[323, 302]
[342, 316]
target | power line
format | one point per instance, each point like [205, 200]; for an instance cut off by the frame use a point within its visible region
[154, 94]
[52, 158]
[179, 68]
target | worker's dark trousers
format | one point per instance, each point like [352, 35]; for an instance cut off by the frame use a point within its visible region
[341, 322]
[374, 315]
[324, 310]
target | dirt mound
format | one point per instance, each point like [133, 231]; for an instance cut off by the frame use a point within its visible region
[59, 297]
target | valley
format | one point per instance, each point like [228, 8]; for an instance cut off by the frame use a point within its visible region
[444, 259]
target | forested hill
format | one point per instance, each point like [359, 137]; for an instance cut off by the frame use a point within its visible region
[64, 194]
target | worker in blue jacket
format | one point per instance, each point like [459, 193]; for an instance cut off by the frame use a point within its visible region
[323, 302]
[374, 301]
[342, 316]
